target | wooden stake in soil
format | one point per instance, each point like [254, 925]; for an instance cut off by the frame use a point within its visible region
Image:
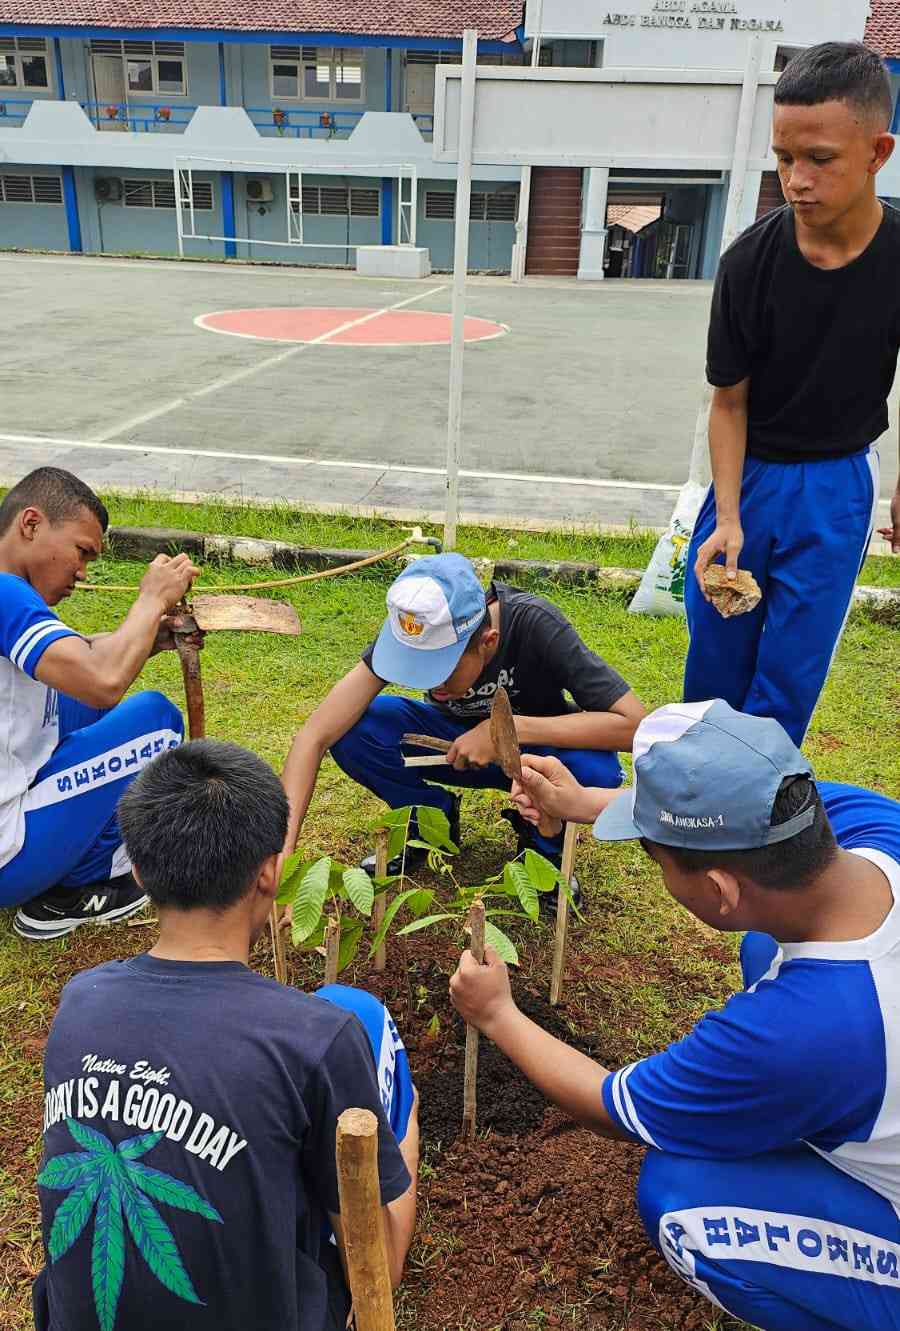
[360, 1199]
[562, 914]
[332, 947]
[277, 944]
[476, 945]
[381, 864]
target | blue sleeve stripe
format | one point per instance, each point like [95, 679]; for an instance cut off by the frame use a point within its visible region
[52, 630]
[23, 644]
[628, 1102]
[619, 1104]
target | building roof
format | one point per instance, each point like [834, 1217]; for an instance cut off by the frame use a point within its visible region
[634, 216]
[883, 28]
[495, 20]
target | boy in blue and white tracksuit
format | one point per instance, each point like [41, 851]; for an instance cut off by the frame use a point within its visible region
[772, 1182]
[68, 745]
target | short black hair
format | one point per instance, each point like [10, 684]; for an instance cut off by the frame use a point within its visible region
[479, 633]
[200, 821]
[57, 493]
[795, 863]
[837, 72]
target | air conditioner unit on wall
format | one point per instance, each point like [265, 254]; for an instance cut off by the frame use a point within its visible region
[107, 189]
[259, 189]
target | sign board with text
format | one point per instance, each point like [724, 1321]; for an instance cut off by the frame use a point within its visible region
[709, 34]
[640, 118]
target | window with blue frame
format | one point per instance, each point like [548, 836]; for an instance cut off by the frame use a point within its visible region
[316, 73]
[161, 194]
[336, 201]
[24, 63]
[148, 67]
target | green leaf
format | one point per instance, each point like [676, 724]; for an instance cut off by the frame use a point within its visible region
[502, 945]
[170, 1190]
[517, 878]
[350, 936]
[156, 1244]
[316, 938]
[424, 923]
[434, 827]
[67, 1171]
[310, 899]
[419, 902]
[132, 1147]
[72, 1214]
[336, 880]
[92, 1141]
[391, 818]
[541, 872]
[108, 1252]
[389, 914]
[290, 882]
[360, 889]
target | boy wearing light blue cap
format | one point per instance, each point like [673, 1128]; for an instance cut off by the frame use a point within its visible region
[773, 1180]
[445, 635]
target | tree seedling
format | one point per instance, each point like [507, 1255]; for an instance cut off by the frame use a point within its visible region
[562, 914]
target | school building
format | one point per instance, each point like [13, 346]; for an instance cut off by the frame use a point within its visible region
[298, 131]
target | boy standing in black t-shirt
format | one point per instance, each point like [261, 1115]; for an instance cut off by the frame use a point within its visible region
[803, 341]
[188, 1181]
[445, 636]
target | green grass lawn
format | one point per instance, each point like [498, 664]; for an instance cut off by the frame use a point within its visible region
[657, 968]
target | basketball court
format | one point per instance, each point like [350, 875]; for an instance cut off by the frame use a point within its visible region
[324, 388]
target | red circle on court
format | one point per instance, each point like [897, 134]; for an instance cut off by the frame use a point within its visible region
[346, 327]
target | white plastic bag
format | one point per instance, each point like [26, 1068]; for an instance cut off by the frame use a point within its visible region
[661, 591]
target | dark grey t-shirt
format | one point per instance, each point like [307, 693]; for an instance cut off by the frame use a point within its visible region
[540, 658]
[189, 1147]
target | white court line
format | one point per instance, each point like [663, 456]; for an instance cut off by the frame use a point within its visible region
[248, 371]
[200, 321]
[340, 463]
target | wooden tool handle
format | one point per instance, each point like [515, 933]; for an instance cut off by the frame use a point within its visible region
[332, 948]
[193, 687]
[426, 760]
[428, 742]
[470, 1083]
[359, 1193]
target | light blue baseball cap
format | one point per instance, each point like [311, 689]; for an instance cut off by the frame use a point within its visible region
[706, 778]
[434, 607]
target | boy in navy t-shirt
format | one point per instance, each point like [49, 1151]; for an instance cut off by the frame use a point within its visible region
[773, 1180]
[188, 1180]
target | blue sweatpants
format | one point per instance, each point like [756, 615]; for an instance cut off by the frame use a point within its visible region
[807, 527]
[72, 837]
[786, 1241]
[371, 754]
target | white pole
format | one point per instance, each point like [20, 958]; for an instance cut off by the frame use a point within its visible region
[460, 269]
[179, 222]
[699, 470]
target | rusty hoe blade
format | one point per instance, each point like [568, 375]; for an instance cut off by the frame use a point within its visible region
[504, 737]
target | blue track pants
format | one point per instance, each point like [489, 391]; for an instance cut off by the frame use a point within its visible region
[786, 1241]
[807, 527]
[72, 837]
[371, 754]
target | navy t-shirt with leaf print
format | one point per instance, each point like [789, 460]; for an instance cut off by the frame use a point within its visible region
[189, 1134]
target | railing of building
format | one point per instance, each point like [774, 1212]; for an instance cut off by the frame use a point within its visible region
[139, 117]
[13, 110]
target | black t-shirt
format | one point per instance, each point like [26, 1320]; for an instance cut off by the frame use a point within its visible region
[819, 345]
[540, 657]
[189, 1147]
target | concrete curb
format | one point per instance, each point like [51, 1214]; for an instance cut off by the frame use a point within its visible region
[144, 543]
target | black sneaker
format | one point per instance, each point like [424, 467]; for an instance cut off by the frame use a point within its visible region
[61, 910]
[415, 857]
[525, 841]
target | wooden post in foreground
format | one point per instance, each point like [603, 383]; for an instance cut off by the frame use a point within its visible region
[332, 947]
[381, 864]
[476, 945]
[360, 1198]
[277, 944]
[562, 914]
